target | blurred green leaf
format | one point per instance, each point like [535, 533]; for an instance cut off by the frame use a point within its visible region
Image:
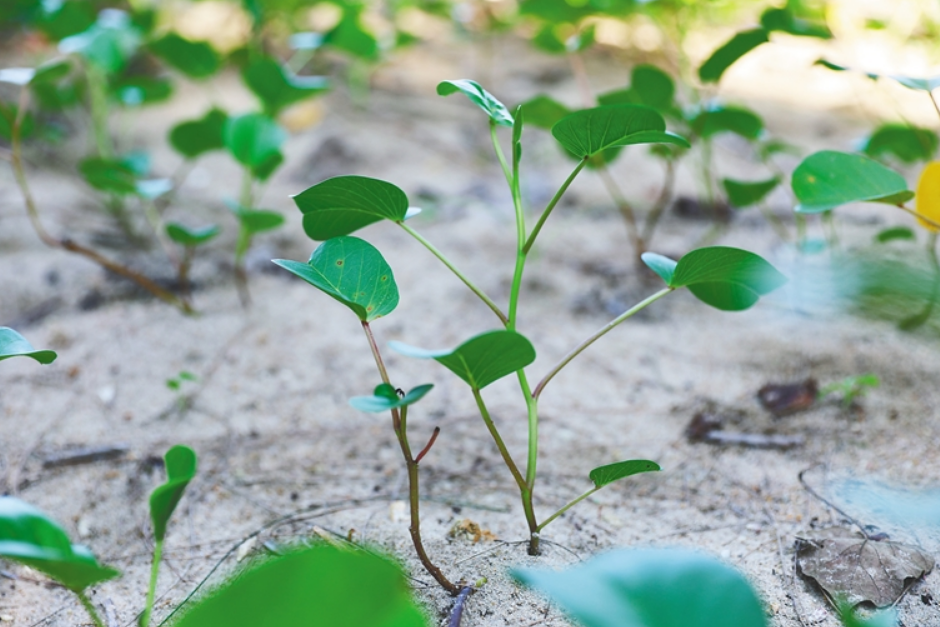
[827, 179]
[544, 112]
[109, 175]
[738, 120]
[12, 344]
[108, 44]
[196, 137]
[480, 97]
[277, 87]
[138, 90]
[785, 21]
[257, 220]
[743, 194]
[729, 52]
[386, 398]
[180, 464]
[185, 236]
[909, 144]
[895, 233]
[312, 585]
[344, 204]
[253, 139]
[548, 41]
[651, 588]
[604, 475]
[482, 359]
[351, 271]
[30, 537]
[196, 59]
[65, 19]
[351, 36]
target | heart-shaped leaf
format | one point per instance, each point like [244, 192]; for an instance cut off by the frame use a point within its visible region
[344, 204]
[928, 195]
[353, 272]
[544, 112]
[743, 194]
[186, 236]
[12, 344]
[651, 588]
[386, 397]
[196, 59]
[195, 137]
[726, 278]
[253, 139]
[827, 179]
[909, 144]
[257, 220]
[652, 86]
[735, 48]
[496, 110]
[603, 475]
[30, 537]
[482, 359]
[736, 120]
[311, 585]
[586, 133]
[109, 175]
[180, 462]
[277, 87]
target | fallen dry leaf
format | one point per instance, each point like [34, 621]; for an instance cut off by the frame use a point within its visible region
[857, 569]
[782, 399]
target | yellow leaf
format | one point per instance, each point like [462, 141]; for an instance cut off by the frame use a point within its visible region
[928, 195]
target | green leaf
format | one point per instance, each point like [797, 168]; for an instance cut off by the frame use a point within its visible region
[732, 50]
[726, 278]
[108, 44]
[480, 97]
[544, 112]
[349, 35]
[109, 175]
[548, 41]
[743, 194]
[257, 220]
[651, 588]
[918, 84]
[196, 59]
[191, 237]
[652, 87]
[895, 233]
[180, 462]
[481, 360]
[353, 272]
[253, 139]
[12, 344]
[603, 475]
[736, 120]
[344, 204]
[137, 90]
[277, 87]
[661, 265]
[909, 144]
[196, 137]
[69, 18]
[30, 537]
[585, 133]
[312, 585]
[785, 21]
[827, 179]
[386, 397]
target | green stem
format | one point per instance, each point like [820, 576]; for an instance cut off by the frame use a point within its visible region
[98, 100]
[499, 153]
[551, 205]
[375, 353]
[652, 219]
[520, 243]
[920, 216]
[936, 107]
[152, 589]
[460, 275]
[532, 411]
[626, 210]
[567, 507]
[86, 603]
[244, 196]
[597, 335]
[707, 175]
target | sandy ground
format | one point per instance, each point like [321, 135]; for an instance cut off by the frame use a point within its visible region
[269, 416]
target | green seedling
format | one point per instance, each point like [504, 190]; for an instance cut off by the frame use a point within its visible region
[28, 536]
[850, 388]
[190, 240]
[12, 344]
[180, 464]
[177, 383]
[354, 273]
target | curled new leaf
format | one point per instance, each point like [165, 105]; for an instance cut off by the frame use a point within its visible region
[827, 179]
[313, 585]
[344, 204]
[480, 360]
[661, 265]
[12, 344]
[604, 475]
[588, 132]
[385, 397]
[30, 537]
[496, 110]
[726, 278]
[180, 462]
[353, 272]
[651, 588]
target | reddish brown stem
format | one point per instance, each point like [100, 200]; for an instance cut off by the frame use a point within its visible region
[427, 447]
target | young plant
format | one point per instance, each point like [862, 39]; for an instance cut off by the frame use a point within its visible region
[190, 240]
[850, 388]
[354, 273]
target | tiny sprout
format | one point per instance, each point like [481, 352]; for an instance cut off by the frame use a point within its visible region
[850, 388]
